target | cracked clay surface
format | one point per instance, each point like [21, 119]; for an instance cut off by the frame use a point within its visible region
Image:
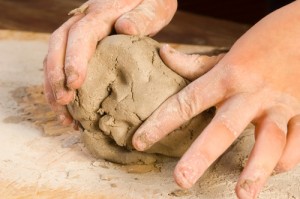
[126, 82]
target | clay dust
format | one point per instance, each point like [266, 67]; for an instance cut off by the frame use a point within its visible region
[34, 109]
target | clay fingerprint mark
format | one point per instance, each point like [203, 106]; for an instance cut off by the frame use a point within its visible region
[33, 108]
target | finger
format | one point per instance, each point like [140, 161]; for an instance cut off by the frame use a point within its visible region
[269, 145]
[189, 102]
[63, 115]
[188, 66]
[230, 120]
[291, 155]
[55, 62]
[147, 18]
[84, 35]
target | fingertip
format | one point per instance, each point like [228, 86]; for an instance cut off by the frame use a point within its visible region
[182, 176]
[148, 17]
[75, 84]
[126, 26]
[139, 146]
[169, 56]
[136, 142]
[246, 189]
[242, 193]
[166, 49]
[140, 141]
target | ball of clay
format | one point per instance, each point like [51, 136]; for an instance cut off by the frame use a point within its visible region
[126, 81]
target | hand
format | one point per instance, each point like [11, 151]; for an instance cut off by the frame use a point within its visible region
[256, 81]
[72, 45]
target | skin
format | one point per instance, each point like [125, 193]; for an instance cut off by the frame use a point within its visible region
[73, 44]
[256, 81]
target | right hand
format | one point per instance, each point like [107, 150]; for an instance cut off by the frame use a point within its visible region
[73, 44]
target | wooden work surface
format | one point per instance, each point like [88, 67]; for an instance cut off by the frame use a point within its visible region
[41, 159]
[35, 165]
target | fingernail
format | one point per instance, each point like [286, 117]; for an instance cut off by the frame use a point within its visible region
[131, 28]
[141, 142]
[170, 49]
[184, 177]
[126, 25]
[59, 94]
[247, 188]
[72, 78]
[140, 146]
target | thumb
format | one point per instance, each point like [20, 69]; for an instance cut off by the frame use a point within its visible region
[147, 18]
[189, 66]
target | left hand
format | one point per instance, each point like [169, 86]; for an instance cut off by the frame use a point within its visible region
[72, 45]
[257, 81]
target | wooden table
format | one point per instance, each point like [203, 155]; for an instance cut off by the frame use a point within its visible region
[36, 165]
[33, 165]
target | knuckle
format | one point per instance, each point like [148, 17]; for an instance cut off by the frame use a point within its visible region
[229, 77]
[126, 26]
[75, 33]
[89, 24]
[82, 24]
[83, 31]
[56, 43]
[187, 108]
[57, 36]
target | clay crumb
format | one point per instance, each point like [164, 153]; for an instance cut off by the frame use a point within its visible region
[33, 108]
[179, 193]
[105, 178]
[113, 185]
[140, 168]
